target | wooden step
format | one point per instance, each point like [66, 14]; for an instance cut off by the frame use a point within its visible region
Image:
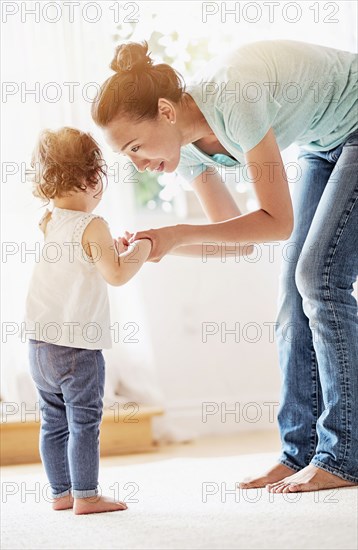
[125, 429]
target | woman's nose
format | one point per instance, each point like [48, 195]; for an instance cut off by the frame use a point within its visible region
[141, 165]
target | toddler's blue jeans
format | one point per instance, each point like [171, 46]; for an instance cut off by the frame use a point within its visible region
[70, 384]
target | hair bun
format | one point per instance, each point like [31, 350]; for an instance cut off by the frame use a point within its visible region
[130, 57]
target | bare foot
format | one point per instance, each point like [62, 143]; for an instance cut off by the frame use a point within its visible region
[276, 473]
[96, 505]
[309, 478]
[63, 503]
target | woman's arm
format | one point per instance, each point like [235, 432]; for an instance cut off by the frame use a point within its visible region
[212, 250]
[218, 205]
[272, 221]
[116, 269]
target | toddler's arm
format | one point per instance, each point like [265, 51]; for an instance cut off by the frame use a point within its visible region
[117, 269]
[206, 250]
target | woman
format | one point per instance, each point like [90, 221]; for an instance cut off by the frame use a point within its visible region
[245, 107]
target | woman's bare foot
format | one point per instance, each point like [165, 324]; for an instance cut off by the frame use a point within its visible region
[309, 478]
[276, 473]
[96, 505]
[63, 503]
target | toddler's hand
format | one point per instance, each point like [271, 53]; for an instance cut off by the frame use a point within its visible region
[127, 236]
[120, 245]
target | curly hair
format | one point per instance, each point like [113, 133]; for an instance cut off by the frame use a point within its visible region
[65, 161]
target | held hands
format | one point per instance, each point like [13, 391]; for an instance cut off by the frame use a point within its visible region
[163, 241]
[120, 245]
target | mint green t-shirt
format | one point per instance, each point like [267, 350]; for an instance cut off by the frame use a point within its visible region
[306, 92]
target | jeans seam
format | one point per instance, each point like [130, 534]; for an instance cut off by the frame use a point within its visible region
[73, 362]
[66, 460]
[95, 356]
[316, 382]
[38, 360]
[97, 365]
[38, 364]
[53, 371]
[340, 337]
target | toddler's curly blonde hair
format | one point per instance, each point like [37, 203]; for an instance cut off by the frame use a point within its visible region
[66, 161]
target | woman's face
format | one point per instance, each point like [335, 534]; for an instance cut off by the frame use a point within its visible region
[150, 144]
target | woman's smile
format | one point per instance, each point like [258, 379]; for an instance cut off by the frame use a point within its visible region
[160, 168]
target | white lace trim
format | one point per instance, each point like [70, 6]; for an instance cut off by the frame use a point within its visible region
[78, 233]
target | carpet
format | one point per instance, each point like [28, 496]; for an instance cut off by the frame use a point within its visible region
[181, 503]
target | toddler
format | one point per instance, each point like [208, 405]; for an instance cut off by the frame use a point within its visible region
[67, 318]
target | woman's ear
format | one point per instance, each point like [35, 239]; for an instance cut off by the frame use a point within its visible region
[166, 109]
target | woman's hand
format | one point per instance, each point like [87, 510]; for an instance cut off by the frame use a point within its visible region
[122, 243]
[163, 240]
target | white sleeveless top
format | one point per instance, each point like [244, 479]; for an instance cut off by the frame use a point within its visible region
[67, 302]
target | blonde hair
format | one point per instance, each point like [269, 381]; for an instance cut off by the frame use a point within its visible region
[66, 160]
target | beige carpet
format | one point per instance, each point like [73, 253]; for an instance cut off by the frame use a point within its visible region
[181, 504]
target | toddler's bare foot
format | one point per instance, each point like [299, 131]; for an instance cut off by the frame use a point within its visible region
[276, 473]
[310, 478]
[96, 505]
[63, 503]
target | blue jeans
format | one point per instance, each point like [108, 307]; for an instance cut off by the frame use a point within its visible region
[317, 323]
[70, 384]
